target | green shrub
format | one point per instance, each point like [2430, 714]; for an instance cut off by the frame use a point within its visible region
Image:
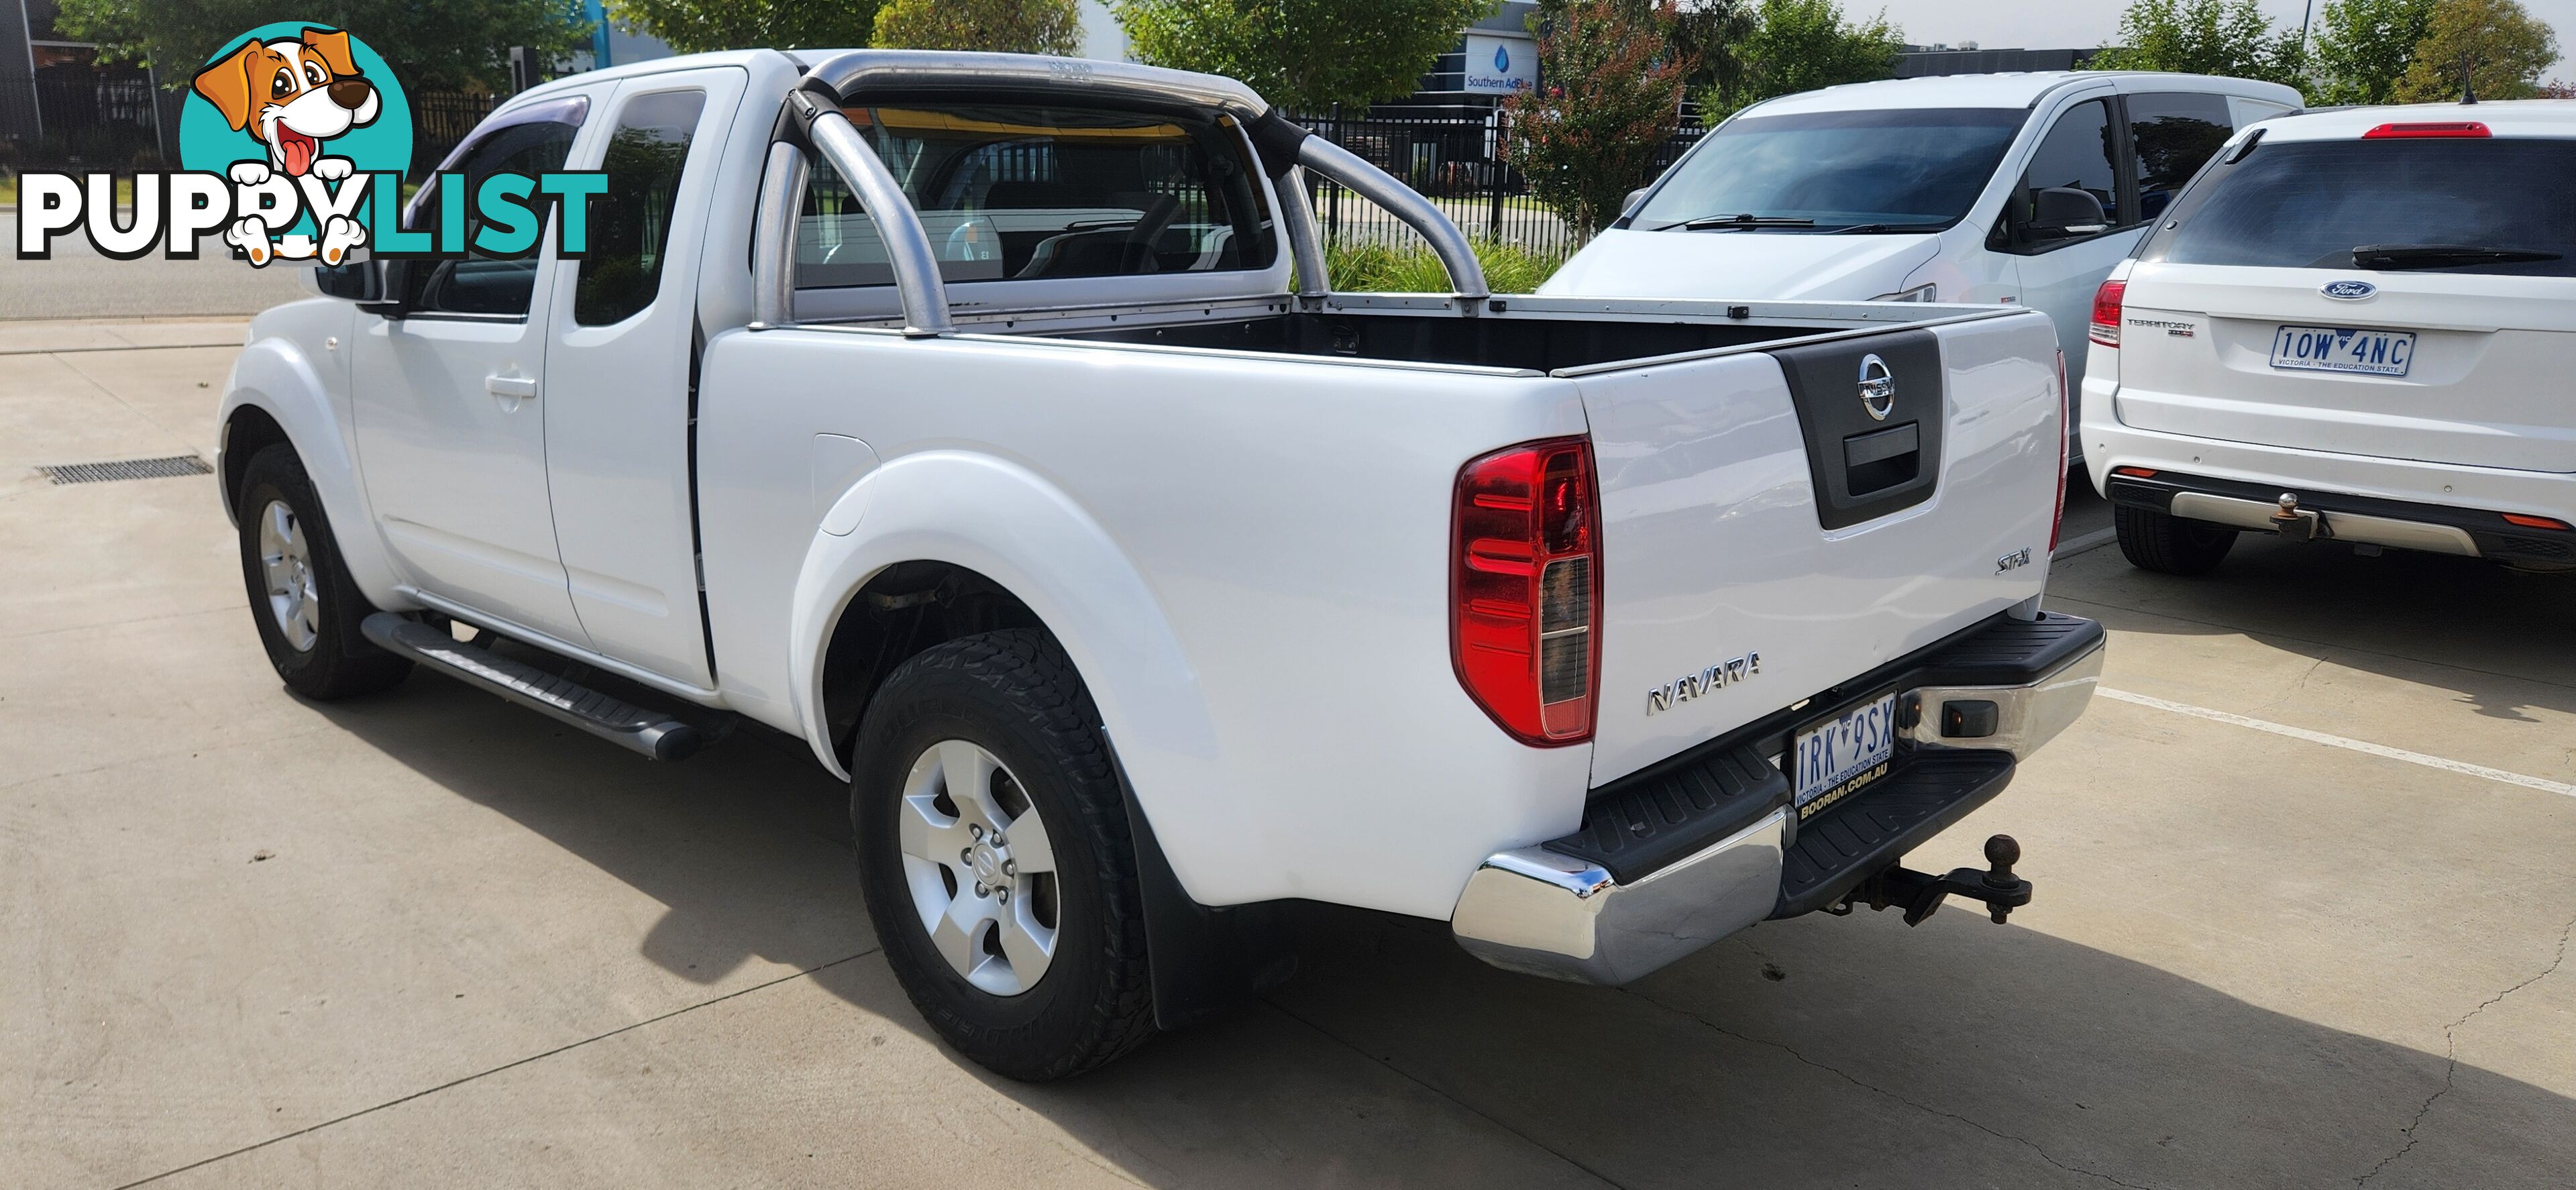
[1371, 267]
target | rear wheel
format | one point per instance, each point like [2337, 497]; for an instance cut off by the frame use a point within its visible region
[307, 607]
[994, 849]
[2169, 544]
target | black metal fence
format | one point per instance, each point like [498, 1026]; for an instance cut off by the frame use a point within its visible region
[441, 120]
[86, 120]
[83, 119]
[1461, 160]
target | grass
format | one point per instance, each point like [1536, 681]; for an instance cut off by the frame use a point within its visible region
[9, 192]
[1368, 267]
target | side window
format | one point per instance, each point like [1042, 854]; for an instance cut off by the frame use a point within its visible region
[531, 141]
[2173, 136]
[630, 225]
[1012, 192]
[2072, 189]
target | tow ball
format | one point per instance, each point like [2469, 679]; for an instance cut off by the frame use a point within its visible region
[1919, 893]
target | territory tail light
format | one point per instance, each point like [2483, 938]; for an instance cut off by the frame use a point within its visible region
[2135, 472]
[2429, 130]
[2534, 522]
[2065, 428]
[1525, 589]
[2106, 312]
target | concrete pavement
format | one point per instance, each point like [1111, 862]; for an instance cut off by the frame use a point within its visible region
[428, 939]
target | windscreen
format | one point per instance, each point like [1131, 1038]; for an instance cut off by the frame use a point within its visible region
[1845, 171]
[1028, 193]
[2447, 205]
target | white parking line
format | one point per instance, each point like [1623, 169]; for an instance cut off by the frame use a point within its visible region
[2543, 784]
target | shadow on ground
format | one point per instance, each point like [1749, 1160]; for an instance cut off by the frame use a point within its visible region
[1812, 1052]
[2502, 640]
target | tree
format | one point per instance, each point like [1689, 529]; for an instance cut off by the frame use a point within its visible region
[1800, 45]
[1610, 91]
[2229, 37]
[1006, 26]
[1302, 53]
[692, 26]
[455, 43]
[1707, 32]
[2364, 46]
[2497, 41]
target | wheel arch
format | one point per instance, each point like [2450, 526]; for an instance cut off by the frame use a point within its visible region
[276, 395]
[992, 544]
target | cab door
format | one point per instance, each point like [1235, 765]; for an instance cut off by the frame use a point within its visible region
[448, 402]
[2062, 263]
[619, 406]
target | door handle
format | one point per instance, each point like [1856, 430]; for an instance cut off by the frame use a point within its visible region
[520, 388]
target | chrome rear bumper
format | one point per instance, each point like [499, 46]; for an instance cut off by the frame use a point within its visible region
[1544, 912]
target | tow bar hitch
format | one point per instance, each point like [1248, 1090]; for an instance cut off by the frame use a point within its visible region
[1919, 893]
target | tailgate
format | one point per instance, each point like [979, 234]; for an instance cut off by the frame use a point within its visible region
[1765, 536]
[2447, 367]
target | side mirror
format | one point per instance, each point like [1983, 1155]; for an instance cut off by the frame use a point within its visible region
[2061, 211]
[356, 280]
[1635, 196]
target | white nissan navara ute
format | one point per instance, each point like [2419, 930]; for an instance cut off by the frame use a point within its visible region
[2353, 326]
[988, 423]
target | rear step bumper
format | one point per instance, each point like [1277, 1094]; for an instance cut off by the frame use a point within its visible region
[647, 731]
[2323, 514]
[1693, 850]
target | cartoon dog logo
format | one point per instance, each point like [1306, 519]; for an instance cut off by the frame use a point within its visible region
[292, 94]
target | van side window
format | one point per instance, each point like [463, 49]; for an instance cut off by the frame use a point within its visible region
[2173, 136]
[630, 225]
[2077, 158]
[1013, 192]
[531, 141]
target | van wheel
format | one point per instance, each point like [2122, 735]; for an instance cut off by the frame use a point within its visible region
[994, 850]
[2169, 544]
[307, 607]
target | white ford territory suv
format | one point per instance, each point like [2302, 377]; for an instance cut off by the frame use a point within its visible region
[2356, 325]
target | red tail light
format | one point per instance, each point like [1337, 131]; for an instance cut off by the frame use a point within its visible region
[2447, 128]
[2534, 522]
[2065, 427]
[2136, 472]
[2106, 312]
[1525, 589]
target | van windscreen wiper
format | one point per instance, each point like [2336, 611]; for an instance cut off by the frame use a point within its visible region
[1862, 229]
[2403, 256]
[1745, 219]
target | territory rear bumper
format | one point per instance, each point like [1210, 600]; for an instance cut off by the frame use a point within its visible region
[1691, 850]
[2320, 514]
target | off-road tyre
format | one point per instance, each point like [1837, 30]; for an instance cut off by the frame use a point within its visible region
[339, 662]
[1015, 694]
[2169, 544]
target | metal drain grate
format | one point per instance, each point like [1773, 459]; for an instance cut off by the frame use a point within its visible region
[175, 465]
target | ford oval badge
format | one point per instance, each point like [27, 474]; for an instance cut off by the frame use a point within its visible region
[2350, 291]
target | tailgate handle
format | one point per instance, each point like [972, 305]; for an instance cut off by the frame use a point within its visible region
[1881, 458]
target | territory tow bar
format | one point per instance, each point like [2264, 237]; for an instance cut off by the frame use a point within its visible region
[1919, 893]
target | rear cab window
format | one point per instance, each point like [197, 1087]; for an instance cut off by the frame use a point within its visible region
[2465, 205]
[1021, 193]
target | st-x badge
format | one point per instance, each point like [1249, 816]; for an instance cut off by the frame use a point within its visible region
[1877, 387]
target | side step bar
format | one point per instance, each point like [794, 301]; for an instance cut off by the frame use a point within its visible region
[647, 731]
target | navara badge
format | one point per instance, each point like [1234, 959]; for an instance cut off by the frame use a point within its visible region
[1877, 387]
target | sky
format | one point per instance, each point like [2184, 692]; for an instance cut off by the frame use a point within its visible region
[2061, 24]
